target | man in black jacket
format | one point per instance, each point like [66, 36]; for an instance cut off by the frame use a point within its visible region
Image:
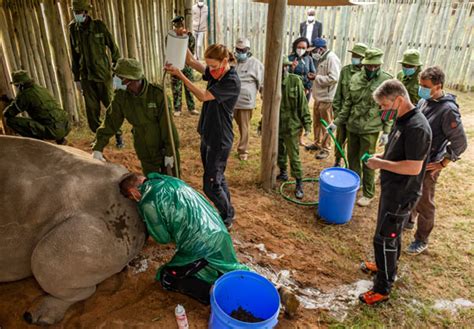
[311, 28]
[449, 142]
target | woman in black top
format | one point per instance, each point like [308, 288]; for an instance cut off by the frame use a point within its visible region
[215, 123]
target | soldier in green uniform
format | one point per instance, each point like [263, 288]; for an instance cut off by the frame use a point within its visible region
[411, 68]
[91, 66]
[47, 120]
[143, 105]
[294, 115]
[177, 84]
[358, 52]
[360, 114]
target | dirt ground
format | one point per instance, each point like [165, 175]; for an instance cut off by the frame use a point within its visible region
[316, 255]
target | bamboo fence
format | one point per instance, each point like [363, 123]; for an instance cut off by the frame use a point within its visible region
[442, 30]
[34, 36]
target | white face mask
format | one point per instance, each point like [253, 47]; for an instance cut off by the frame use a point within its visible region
[300, 52]
[80, 18]
[117, 84]
[311, 18]
[200, 3]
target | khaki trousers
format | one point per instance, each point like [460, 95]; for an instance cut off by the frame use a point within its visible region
[243, 117]
[322, 110]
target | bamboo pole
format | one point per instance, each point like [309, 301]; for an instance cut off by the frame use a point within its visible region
[7, 38]
[24, 63]
[6, 92]
[61, 59]
[34, 48]
[272, 92]
[123, 29]
[47, 51]
[130, 29]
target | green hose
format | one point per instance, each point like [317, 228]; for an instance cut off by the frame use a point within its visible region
[313, 203]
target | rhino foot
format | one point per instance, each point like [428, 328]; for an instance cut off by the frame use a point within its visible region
[46, 310]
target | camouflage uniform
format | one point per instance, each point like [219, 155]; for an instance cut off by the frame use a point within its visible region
[177, 84]
[47, 120]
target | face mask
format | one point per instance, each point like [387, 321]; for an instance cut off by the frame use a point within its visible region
[310, 19]
[300, 52]
[356, 61]
[80, 18]
[408, 71]
[117, 84]
[371, 74]
[390, 114]
[216, 74]
[241, 57]
[424, 93]
[200, 3]
[316, 56]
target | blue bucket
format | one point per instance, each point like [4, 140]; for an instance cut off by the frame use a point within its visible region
[337, 193]
[252, 292]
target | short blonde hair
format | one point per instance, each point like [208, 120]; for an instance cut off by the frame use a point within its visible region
[390, 89]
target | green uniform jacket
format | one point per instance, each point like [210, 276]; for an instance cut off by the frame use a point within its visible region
[40, 105]
[411, 84]
[145, 112]
[176, 213]
[343, 87]
[294, 113]
[88, 47]
[360, 113]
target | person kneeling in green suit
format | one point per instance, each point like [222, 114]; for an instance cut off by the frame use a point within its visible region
[176, 213]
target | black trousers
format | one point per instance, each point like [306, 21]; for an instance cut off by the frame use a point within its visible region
[181, 279]
[387, 240]
[214, 160]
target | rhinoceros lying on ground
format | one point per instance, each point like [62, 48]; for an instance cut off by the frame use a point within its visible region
[64, 221]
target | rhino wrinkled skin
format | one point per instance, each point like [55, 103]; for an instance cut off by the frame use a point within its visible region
[63, 221]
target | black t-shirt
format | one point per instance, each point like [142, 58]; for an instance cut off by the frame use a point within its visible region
[215, 123]
[410, 139]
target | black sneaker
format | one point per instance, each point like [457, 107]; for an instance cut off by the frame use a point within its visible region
[416, 247]
[337, 163]
[119, 142]
[282, 176]
[62, 141]
[299, 194]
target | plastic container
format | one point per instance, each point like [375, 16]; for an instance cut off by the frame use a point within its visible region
[249, 290]
[181, 318]
[337, 193]
[176, 48]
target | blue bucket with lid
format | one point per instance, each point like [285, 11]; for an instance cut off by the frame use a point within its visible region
[337, 193]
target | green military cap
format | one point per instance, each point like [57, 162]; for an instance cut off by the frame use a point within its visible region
[411, 57]
[373, 56]
[359, 49]
[81, 5]
[129, 68]
[20, 76]
[177, 20]
[286, 61]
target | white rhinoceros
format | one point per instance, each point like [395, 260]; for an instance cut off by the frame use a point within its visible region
[64, 221]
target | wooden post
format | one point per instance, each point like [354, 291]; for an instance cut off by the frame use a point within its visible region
[8, 42]
[6, 92]
[61, 59]
[272, 91]
[132, 51]
[188, 14]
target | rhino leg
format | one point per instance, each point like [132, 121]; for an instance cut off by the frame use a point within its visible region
[70, 261]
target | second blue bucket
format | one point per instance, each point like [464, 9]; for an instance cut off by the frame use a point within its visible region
[247, 290]
[337, 193]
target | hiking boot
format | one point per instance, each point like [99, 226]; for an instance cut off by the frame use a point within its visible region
[119, 142]
[364, 201]
[194, 112]
[416, 247]
[243, 157]
[323, 154]
[372, 298]
[299, 194]
[62, 141]
[282, 176]
[368, 267]
[312, 147]
[408, 225]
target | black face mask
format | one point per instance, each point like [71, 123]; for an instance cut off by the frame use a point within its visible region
[371, 74]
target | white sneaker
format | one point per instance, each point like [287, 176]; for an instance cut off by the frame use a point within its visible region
[364, 201]
[243, 157]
